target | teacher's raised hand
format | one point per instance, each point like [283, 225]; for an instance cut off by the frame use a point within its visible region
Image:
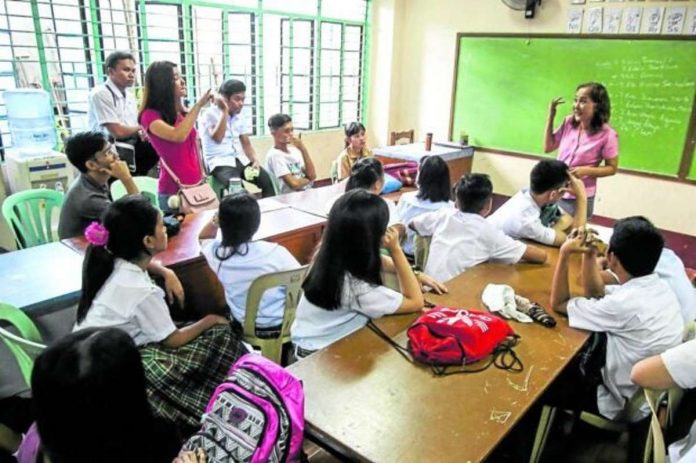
[554, 104]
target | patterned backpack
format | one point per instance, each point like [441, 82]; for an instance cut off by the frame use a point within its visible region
[256, 415]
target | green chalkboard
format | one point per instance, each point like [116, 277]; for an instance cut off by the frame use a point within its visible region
[503, 86]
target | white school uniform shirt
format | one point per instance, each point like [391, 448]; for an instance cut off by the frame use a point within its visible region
[238, 272]
[315, 328]
[108, 105]
[230, 147]
[519, 218]
[680, 362]
[129, 300]
[410, 207]
[671, 269]
[461, 240]
[279, 163]
[641, 318]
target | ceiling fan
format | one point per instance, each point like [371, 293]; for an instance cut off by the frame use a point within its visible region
[528, 6]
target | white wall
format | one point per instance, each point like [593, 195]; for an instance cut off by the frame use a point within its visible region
[416, 92]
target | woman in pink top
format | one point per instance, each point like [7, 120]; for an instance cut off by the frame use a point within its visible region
[170, 129]
[585, 140]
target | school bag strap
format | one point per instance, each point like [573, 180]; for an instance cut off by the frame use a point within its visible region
[445, 337]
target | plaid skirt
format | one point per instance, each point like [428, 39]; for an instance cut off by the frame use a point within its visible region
[179, 382]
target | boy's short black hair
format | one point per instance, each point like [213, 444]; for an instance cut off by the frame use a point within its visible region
[276, 121]
[637, 244]
[113, 59]
[473, 192]
[232, 86]
[548, 174]
[82, 146]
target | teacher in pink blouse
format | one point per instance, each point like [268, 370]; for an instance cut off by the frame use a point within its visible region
[584, 141]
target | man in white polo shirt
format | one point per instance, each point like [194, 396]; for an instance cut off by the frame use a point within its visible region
[114, 112]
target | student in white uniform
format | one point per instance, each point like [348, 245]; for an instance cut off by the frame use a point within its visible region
[674, 367]
[434, 193]
[238, 261]
[368, 174]
[670, 268]
[182, 365]
[524, 215]
[344, 289]
[640, 316]
[462, 238]
[288, 162]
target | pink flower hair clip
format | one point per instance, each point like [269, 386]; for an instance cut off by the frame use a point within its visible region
[97, 234]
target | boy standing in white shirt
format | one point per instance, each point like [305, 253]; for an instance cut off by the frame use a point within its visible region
[640, 316]
[288, 161]
[226, 146]
[462, 238]
[520, 216]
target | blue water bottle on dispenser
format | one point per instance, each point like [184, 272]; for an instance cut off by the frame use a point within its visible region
[30, 118]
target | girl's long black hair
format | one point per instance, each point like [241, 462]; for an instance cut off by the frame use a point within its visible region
[128, 220]
[159, 91]
[434, 180]
[351, 244]
[90, 401]
[365, 173]
[239, 217]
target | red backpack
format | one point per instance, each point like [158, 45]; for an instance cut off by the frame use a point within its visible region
[446, 336]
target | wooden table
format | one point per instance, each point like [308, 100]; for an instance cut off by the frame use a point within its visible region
[458, 158]
[366, 402]
[298, 231]
[41, 279]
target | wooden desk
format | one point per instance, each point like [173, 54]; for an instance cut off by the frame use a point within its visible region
[41, 279]
[298, 231]
[368, 403]
[459, 159]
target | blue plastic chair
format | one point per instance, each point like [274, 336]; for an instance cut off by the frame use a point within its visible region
[28, 214]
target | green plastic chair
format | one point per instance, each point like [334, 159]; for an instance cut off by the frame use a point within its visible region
[291, 280]
[217, 187]
[146, 185]
[28, 214]
[25, 346]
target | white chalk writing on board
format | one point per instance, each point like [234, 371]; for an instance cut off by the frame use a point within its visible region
[652, 19]
[674, 20]
[639, 107]
[631, 20]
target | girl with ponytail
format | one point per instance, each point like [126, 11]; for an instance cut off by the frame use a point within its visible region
[182, 365]
[238, 261]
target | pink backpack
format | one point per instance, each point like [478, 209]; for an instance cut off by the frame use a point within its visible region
[256, 415]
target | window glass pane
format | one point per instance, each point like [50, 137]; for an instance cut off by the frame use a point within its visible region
[330, 36]
[328, 115]
[347, 10]
[353, 38]
[351, 88]
[302, 34]
[330, 62]
[292, 6]
[300, 116]
[350, 112]
[351, 63]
